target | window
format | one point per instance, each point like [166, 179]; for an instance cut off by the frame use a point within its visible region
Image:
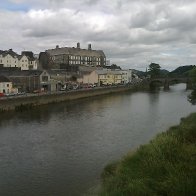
[44, 78]
[8, 85]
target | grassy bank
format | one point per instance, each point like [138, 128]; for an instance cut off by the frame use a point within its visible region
[165, 166]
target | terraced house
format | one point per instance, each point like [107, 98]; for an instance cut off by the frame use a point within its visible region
[25, 61]
[61, 58]
[109, 77]
[106, 77]
[5, 85]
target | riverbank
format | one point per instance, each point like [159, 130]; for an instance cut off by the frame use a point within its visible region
[165, 166]
[27, 102]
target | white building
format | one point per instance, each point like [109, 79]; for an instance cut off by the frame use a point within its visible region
[126, 76]
[25, 61]
[5, 85]
[8, 60]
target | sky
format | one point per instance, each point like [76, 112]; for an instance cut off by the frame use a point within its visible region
[132, 33]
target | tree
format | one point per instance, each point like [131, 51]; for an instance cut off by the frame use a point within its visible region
[192, 74]
[154, 70]
[192, 96]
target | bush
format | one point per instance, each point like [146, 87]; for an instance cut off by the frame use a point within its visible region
[165, 166]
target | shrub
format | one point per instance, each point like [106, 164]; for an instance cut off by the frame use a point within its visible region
[165, 166]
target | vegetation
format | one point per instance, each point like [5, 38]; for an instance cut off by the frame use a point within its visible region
[166, 166]
[141, 74]
[192, 97]
[113, 67]
[154, 70]
[182, 71]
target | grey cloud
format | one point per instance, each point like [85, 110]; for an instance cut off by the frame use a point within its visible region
[131, 33]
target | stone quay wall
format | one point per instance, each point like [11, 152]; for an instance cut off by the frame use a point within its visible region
[29, 101]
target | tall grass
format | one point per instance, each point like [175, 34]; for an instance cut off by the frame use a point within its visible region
[165, 166]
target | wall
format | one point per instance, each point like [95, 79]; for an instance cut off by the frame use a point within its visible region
[5, 86]
[31, 101]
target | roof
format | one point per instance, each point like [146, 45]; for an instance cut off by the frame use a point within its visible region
[85, 70]
[29, 54]
[105, 72]
[75, 51]
[24, 73]
[57, 72]
[4, 79]
[10, 52]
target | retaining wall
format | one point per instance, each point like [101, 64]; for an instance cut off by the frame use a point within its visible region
[17, 103]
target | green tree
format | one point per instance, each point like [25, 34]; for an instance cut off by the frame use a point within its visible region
[192, 74]
[154, 70]
[192, 96]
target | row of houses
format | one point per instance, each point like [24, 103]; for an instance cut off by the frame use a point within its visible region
[25, 61]
[53, 80]
[65, 58]
[56, 67]
[102, 77]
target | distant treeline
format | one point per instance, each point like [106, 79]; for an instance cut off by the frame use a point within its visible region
[182, 71]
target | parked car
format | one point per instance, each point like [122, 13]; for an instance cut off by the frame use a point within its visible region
[75, 87]
[2, 94]
[10, 94]
[21, 93]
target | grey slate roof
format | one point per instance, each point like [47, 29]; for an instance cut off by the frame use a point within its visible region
[4, 79]
[24, 73]
[29, 54]
[75, 51]
[10, 52]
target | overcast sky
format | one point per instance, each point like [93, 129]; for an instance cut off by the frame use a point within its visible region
[132, 33]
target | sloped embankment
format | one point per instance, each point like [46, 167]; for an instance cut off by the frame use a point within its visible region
[165, 166]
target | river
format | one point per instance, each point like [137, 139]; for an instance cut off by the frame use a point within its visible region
[61, 149]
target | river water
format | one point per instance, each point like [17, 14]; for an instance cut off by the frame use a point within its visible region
[61, 149]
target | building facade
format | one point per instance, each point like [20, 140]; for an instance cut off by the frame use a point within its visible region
[5, 85]
[61, 58]
[106, 77]
[126, 76]
[29, 80]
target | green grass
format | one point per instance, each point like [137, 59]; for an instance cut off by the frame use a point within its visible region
[166, 166]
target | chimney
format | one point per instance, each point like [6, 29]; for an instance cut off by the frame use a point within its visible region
[78, 45]
[57, 46]
[89, 46]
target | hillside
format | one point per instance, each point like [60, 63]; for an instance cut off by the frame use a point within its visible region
[182, 70]
[179, 72]
[163, 72]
